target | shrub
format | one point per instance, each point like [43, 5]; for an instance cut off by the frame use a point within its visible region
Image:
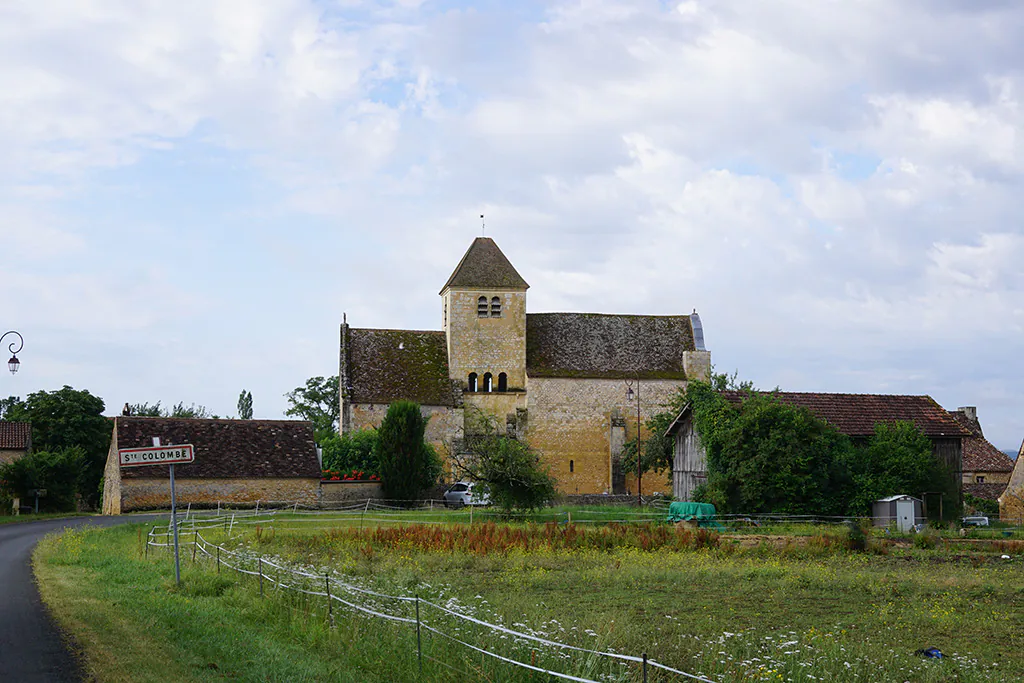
[407, 464]
[353, 451]
[926, 540]
[58, 471]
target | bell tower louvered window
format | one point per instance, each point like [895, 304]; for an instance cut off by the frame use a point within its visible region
[481, 307]
[495, 307]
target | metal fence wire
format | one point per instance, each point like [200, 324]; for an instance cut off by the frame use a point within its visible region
[424, 615]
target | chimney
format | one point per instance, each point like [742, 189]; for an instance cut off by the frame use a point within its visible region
[970, 411]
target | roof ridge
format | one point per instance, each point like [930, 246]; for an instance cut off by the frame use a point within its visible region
[393, 329]
[615, 315]
[485, 266]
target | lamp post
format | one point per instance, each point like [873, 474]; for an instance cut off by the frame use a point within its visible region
[13, 364]
[639, 473]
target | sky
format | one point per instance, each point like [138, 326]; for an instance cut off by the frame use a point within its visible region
[192, 194]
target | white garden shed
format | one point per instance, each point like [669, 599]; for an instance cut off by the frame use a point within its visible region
[905, 511]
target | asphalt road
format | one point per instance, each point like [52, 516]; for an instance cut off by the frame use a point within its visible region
[31, 646]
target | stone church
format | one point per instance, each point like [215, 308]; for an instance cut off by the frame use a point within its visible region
[566, 383]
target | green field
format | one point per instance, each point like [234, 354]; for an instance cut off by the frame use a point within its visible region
[752, 608]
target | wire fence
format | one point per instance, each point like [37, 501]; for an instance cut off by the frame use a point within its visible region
[425, 616]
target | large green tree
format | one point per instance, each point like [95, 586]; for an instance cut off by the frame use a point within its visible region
[765, 456]
[64, 419]
[898, 459]
[318, 402]
[408, 465]
[353, 451]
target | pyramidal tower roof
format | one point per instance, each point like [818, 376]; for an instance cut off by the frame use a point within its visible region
[485, 267]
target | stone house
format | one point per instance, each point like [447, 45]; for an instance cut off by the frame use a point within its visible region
[854, 415]
[15, 440]
[557, 380]
[986, 468]
[236, 462]
[1011, 501]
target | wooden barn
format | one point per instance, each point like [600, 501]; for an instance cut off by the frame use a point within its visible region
[854, 415]
[236, 462]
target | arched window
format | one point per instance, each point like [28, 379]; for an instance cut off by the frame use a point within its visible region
[472, 381]
[495, 307]
[570, 467]
[488, 380]
[502, 381]
[481, 307]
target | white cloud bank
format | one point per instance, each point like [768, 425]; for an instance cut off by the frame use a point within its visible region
[834, 185]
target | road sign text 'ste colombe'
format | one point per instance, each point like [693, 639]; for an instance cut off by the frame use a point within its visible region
[159, 455]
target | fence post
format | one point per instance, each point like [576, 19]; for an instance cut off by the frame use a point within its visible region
[218, 559]
[195, 544]
[645, 667]
[261, 576]
[419, 644]
[257, 509]
[148, 537]
[471, 515]
[330, 607]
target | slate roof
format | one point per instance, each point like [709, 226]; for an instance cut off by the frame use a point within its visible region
[979, 454]
[15, 436]
[484, 266]
[393, 365]
[986, 491]
[856, 414]
[607, 346]
[225, 448]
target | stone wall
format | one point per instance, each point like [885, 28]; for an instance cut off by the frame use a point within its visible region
[337, 493]
[1011, 503]
[990, 477]
[443, 424]
[8, 455]
[570, 422]
[146, 494]
[482, 345]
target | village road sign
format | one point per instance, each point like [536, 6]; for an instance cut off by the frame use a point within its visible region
[156, 455]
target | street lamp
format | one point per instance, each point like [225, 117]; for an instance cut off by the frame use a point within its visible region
[13, 364]
[639, 474]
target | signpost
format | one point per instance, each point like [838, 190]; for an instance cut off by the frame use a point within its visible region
[161, 455]
[37, 493]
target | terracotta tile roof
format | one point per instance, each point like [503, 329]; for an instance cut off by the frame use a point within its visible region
[609, 346]
[979, 454]
[986, 491]
[15, 436]
[484, 266]
[856, 414]
[225, 448]
[392, 365]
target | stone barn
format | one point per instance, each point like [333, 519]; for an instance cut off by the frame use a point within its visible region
[236, 462]
[986, 468]
[15, 440]
[854, 415]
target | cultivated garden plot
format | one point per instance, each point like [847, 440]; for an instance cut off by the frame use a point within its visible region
[711, 605]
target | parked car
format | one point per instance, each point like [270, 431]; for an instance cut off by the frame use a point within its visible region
[975, 520]
[466, 493]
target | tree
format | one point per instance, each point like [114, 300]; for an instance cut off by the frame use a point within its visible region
[245, 405]
[193, 411]
[12, 409]
[511, 471]
[765, 456]
[898, 459]
[318, 402]
[65, 419]
[147, 410]
[407, 464]
[57, 472]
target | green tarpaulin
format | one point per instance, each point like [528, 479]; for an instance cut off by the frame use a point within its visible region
[701, 513]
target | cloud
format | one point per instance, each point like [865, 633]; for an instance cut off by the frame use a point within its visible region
[834, 185]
